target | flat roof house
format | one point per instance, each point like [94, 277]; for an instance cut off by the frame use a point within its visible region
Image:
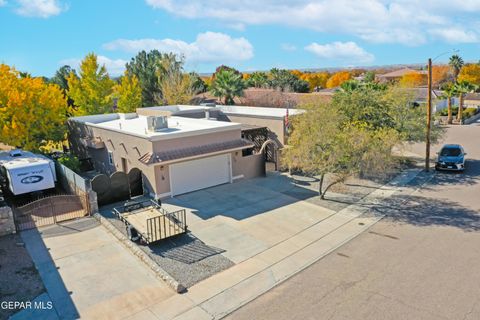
[471, 100]
[178, 149]
[271, 118]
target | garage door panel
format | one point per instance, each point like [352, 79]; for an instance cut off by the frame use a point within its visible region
[198, 174]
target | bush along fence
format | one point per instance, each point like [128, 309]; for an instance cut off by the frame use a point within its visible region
[76, 184]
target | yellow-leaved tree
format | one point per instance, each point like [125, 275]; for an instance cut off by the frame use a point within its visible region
[32, 113]
[92, 90]
[338, 78]
[413, 79]
[128, 94]
[316, 80]
[470, 73]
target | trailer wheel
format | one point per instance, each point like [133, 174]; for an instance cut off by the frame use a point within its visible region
[132, 234]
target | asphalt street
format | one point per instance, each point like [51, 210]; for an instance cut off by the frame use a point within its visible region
[420, 262]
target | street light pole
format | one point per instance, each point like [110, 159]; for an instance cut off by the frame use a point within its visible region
[429, 116]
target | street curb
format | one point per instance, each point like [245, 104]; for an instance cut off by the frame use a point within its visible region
[159, 272]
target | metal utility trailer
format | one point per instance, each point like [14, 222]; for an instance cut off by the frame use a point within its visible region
[149, 222]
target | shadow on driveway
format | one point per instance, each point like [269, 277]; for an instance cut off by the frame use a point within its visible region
[245, 199]
[248, 198]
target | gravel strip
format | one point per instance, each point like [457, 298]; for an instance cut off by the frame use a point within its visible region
[185, 258]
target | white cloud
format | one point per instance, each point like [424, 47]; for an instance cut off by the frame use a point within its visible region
[39, 8]
[115, 67]
[455, 35]
[385, 21]
[3, 3]
[342, 51]
[208, 47]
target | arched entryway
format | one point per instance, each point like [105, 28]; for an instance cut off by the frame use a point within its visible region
[270, 150]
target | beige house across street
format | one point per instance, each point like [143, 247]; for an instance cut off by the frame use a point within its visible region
[180, 149]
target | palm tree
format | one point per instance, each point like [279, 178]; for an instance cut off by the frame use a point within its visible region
[462, 88]
[258, 79]
[448, 93]
[456, 63]
[228, 85]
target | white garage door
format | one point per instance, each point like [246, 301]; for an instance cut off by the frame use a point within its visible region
[198, 174]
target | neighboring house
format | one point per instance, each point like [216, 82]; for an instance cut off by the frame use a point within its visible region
[471, 100]
[179, 149]
[420, 97]
[396, 75]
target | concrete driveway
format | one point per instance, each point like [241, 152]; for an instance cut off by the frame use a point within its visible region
[89, 274]
[248, 217]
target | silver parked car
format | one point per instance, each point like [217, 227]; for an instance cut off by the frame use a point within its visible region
[451, 157]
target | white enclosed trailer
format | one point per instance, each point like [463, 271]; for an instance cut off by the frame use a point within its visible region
[27, 172]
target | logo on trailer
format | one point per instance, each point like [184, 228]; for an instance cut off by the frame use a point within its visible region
[31, 179]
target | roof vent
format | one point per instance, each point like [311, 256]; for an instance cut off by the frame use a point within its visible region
[208, 104]
[157, 123]
[16, 153]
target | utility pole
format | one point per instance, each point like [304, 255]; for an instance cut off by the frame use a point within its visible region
[429, 116]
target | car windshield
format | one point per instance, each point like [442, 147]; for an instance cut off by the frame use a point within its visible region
[450, 152]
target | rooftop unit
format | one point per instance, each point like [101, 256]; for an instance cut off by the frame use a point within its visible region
[15, 153]
[157, 123]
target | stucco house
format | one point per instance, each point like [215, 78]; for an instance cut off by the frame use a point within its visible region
[179, 149]
[396, 75]
[471, 100]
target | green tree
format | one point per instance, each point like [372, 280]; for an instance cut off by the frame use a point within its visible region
[145, 67]
[227, 85]
[92, 90]
[61, 79]
[381, 108]
[61, 76]
[199, 86]
[462, 88]
[350, 85]
[177, 87]
[32, 112]
[257, 80]
[354, 133]
[128, 94]
[222, 68]
[407, 117]
[325, 143]
[456, 63]
[284, 80]
[70, 161]
[369, 76]
[364, 106]
[153, 70]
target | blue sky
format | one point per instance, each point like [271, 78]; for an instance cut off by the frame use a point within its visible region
[39, 36]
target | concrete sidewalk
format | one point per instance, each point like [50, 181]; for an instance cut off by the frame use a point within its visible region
[219, 295]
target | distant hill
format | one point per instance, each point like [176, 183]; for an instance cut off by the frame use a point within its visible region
[384, 68]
